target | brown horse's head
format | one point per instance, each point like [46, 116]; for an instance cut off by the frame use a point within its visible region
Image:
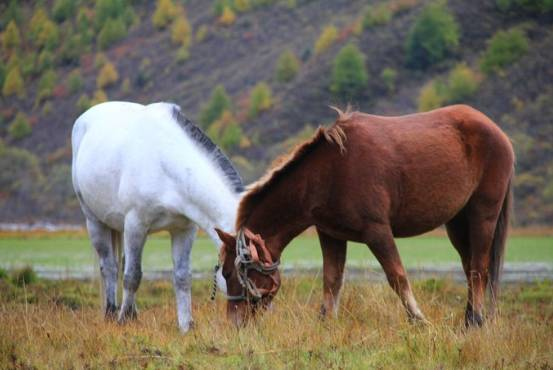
[251, 275]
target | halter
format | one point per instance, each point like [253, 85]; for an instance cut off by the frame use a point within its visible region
[247, 259]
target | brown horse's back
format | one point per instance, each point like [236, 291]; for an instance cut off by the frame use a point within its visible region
[416, 172]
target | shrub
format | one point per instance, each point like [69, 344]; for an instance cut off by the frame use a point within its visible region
[108, 9]
[83, 103]
[504, 48]
[181, 32]
[112, 31]
[46, 85]
[13, 84]
[182, 55]
[218, 103]
[226, 132]
[58, 189]
[164, 14]
[45, 60]
[260, 99]
[2, 73]
[232, 136]
[19, 127]
[532, 6]
[63, 9]
[29, 64]
[72, 49]
[287, 66]
[37, 21]
[376, 15]
[389, 76]
[349, 76]
[202, 33]
[19, 171]
[430, 98]
[24, 276]
[99, 60]
[242, 5]
[462, 83]
[108, 76]
[326, 39]
[126, 86]
[99, 97]
[228, 16]
[433, 37]
[46, 34]
[10, 37]
[3, 274]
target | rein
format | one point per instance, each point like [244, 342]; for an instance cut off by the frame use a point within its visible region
[247, 258]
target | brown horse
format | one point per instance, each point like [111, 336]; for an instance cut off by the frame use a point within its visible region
[369, 179]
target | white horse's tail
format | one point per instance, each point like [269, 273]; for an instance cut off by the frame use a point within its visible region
[117, 245]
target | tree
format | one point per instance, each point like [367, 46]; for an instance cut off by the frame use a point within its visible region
[432, 38]
[63, 9]
[20, 127]
[113, 30]
[46, 84]
[349, 75]
[164, 14]
[218, 103]
[108, 75]
[13, 84]
[19, 171]
[462, 83]
[504, 48]
[326, 39]
[181, 32]
[261, 98]
[287, 66]
[227, 17]
[10, 37]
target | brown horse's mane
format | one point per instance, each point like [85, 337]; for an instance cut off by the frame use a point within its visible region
[283, 164]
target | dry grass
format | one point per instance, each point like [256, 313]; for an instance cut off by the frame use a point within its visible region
[58, 325]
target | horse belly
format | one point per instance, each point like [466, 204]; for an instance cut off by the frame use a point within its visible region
[432, 196]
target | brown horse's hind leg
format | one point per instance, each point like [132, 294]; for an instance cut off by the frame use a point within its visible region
[458, 232]
[381, 242]
[334, 259]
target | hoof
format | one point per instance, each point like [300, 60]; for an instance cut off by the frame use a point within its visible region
[473, 319]
[129, 314]
[322, 312]
[418, 319]
[111, 312]
[185, 328]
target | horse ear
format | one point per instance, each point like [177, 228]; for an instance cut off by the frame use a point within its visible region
[226, 238]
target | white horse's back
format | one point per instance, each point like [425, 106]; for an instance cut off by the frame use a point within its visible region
[130, 157]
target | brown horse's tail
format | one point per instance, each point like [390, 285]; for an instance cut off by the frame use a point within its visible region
[498, 246]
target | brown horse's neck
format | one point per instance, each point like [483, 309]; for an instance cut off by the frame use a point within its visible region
[281, 214]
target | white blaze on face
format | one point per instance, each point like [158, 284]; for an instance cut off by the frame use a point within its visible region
[221, 282]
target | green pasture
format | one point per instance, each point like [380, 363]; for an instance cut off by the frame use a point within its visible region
[76, 253]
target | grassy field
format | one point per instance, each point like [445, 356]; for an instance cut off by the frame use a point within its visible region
[57, 324]
[75, 252]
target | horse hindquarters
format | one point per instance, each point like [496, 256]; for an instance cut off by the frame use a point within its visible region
[479, 233]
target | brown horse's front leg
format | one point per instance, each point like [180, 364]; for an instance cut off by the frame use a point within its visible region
[334, 259]
[381, 242]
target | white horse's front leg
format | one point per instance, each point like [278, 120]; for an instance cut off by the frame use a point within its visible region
[181, 243]
[134, 237]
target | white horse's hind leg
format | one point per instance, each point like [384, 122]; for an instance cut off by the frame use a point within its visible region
[100, 236]
[181, 243]
[134, 236]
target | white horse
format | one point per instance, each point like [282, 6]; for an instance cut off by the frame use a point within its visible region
[139, 169]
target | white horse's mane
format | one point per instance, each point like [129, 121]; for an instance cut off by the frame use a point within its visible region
[220, 159]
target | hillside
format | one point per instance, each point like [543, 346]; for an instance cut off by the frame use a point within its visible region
[238, 44]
